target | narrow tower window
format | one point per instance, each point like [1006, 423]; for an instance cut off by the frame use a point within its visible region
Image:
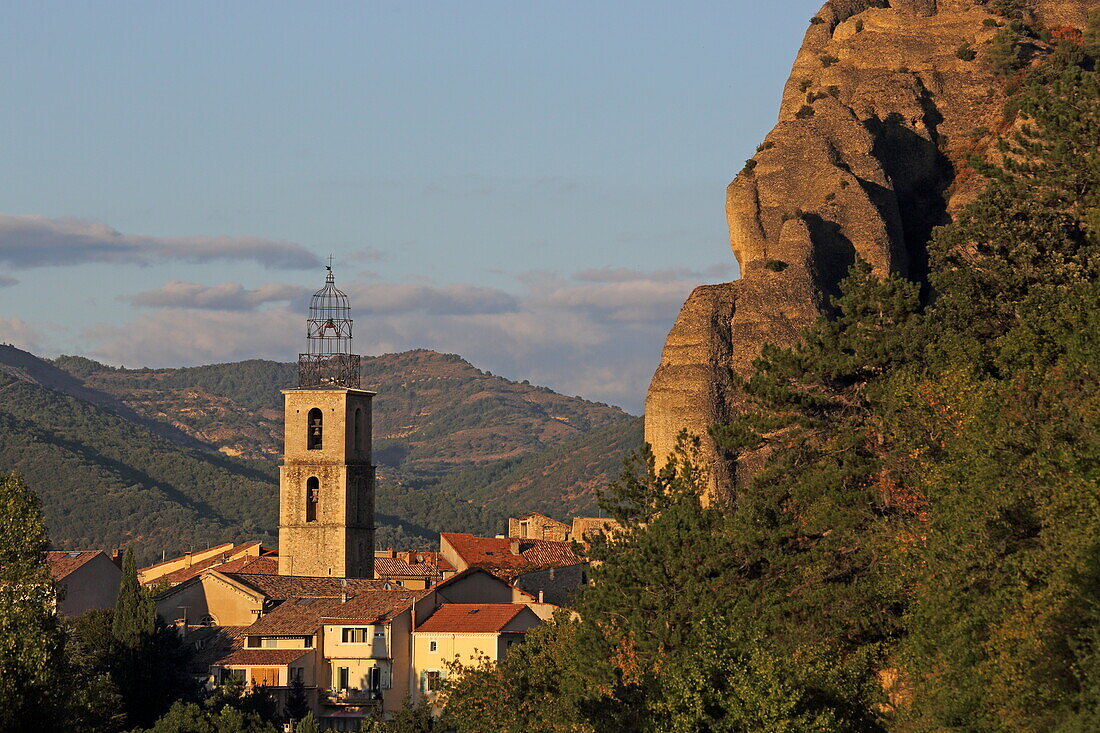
[314, 429]
[313, 497]
[358, 429]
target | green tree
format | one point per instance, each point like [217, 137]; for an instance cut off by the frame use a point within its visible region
[31, 639]
[297, 705]
[135, 615]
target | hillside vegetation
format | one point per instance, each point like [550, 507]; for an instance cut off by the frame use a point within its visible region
[166, 459]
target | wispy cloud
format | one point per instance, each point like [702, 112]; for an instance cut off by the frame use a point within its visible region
[599, 336]
[227, 296]
[7, 282]
[36, 241]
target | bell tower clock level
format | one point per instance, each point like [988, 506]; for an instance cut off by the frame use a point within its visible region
[326, 480]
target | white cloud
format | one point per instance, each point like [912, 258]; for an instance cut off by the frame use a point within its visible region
[17, 332]
[36, 241]
[596, 337]
[227, 296]
[7, 282]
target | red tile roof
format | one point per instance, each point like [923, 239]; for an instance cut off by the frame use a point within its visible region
[377, 607]
[293, 617]
[471, 618]
[225, 547]
[395, 566]
[262, 657]
[65, 562]
[220, 559]
[495, 553]
[253, 565]
[282, 587]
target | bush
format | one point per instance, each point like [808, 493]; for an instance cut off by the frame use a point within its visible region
[775, 265]
[828, 60]
[965, 52]
[804, 112]
[859, 26]
[816, 20]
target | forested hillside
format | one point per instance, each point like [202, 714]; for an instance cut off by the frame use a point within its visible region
[170, 458]
[920, 548]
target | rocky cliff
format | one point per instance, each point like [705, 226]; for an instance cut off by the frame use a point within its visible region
[884, 102]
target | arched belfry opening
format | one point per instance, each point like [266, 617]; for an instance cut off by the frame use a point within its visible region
[313, 498]
[315, 429]
[329, 362]
[358, 429]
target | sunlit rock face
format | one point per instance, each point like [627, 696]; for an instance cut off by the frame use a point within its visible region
[877, 118]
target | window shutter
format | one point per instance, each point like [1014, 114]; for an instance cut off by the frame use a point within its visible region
[423, 682]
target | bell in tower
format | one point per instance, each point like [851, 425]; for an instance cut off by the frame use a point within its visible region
[326, 480]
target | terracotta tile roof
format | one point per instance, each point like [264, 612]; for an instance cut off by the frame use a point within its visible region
[262, 657]
[65, 562]
[212, 643]
[397, 566]
[496, 555]
[471, 618]
[217, 560]
[379, 606]
[253, 565]
[225, 547]
[282, 587]
[293, 617]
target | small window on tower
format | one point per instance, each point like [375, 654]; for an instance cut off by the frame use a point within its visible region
[313, 498]
[314, 429]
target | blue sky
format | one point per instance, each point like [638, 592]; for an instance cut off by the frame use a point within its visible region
[536, 186]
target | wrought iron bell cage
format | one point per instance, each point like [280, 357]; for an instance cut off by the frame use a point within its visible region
[329, 362]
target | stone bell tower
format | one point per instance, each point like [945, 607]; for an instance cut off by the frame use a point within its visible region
[326, 480]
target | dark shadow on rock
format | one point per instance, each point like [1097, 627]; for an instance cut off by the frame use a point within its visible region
[833, 255]
[921, 174]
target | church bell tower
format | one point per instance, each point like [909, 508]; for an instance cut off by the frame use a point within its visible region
[326, 480]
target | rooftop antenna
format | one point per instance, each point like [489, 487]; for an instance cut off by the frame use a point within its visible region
[329, 363]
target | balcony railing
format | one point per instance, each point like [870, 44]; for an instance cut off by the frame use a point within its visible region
[351, 696]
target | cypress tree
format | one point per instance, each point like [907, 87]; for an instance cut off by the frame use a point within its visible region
[135, 615]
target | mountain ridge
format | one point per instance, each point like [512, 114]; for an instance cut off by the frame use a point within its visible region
[457, 447]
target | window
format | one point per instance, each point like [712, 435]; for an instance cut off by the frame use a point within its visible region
[307, 642]
[379, 633]
[342, 678]
[357, 636]
[358, 429]
[314, 429]
[313, 498]
[265, 677]
[433, 646]
[270, 642]
[433, 680]
[374, 679]
[297, 673]
[254, 642]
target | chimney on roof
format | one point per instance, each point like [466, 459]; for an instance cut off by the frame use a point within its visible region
[540, 596]
[187, 559]
[116, 557]
[391, 553]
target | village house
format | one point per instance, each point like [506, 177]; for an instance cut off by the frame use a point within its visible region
[86, 579]
[549, 570]
[467, 634]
